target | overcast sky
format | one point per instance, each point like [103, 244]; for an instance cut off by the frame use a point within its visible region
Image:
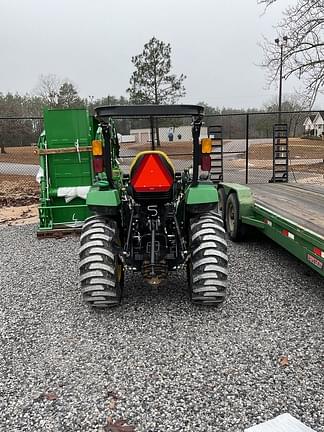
[214, 43]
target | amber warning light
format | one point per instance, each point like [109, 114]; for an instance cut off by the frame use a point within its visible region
[97, 156]
[205, 149]
[97, 148]
[152, 175]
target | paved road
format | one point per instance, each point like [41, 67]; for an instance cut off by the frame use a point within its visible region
[19, 169]
[230, 145]
[237, 175]
[239, 145]
[231, 174]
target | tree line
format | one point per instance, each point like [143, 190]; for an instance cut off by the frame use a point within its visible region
[26, 131]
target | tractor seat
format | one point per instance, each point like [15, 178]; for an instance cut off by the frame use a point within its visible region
[152, 177]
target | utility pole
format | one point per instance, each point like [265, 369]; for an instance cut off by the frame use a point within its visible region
[281, 44]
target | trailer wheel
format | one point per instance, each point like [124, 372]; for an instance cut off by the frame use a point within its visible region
[222, 204]
[236, 230]
[101, 272]
[207, 266]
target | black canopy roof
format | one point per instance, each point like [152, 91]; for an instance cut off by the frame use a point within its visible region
[147, 111]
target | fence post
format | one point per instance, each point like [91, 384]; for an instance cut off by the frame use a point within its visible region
[247, 149]
[152, 132]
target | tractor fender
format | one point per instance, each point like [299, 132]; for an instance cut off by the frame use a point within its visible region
[201, 194]
[107, 198]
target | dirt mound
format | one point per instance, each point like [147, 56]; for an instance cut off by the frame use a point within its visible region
[21, 215]
[18, 190]
[20, 155]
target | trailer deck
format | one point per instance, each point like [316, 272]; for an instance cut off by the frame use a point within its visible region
[292, 215]
[302, 204]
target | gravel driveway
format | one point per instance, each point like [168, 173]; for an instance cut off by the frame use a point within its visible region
[158, 362]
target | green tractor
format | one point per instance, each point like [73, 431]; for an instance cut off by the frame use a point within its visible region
[152, 219]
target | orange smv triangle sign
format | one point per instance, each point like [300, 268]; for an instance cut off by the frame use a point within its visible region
[152, 175]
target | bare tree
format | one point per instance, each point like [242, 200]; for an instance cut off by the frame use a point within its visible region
[292, 106]
[303, 56]
[48, 88]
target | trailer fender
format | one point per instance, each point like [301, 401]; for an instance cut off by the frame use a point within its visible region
[244, 197]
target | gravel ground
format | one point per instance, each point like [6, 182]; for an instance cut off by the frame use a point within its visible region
[158, 362]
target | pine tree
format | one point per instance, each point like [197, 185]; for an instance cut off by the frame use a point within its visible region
[68, 96]
[152, 81]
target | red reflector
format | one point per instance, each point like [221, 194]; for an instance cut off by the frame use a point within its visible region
[205, 162]
[152, 175]
[317, 251]
[98, 164]
[285, 232]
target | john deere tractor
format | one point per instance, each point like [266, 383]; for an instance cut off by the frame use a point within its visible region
[152, 219]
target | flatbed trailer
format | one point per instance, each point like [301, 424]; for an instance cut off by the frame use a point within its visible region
[292, 215]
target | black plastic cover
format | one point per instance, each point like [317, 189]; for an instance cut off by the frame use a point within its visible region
[147, 111]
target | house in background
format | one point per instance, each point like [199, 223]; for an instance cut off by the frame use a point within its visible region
[309, 124]
[319, 124]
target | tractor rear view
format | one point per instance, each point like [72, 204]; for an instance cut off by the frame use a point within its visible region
[146, 217]
[152, 220]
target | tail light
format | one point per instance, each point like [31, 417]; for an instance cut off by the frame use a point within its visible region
[205, 150]
[205, 162]
[97, 156]
[98, 164]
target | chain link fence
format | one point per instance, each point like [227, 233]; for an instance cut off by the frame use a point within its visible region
[18, 159]
[247, 148]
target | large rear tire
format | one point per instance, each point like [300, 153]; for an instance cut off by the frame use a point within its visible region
[207, 267]
[101, 272]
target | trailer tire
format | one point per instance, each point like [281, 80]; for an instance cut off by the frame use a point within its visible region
[234, 226]
[101, 271]
[207, 266]
[222, 204]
